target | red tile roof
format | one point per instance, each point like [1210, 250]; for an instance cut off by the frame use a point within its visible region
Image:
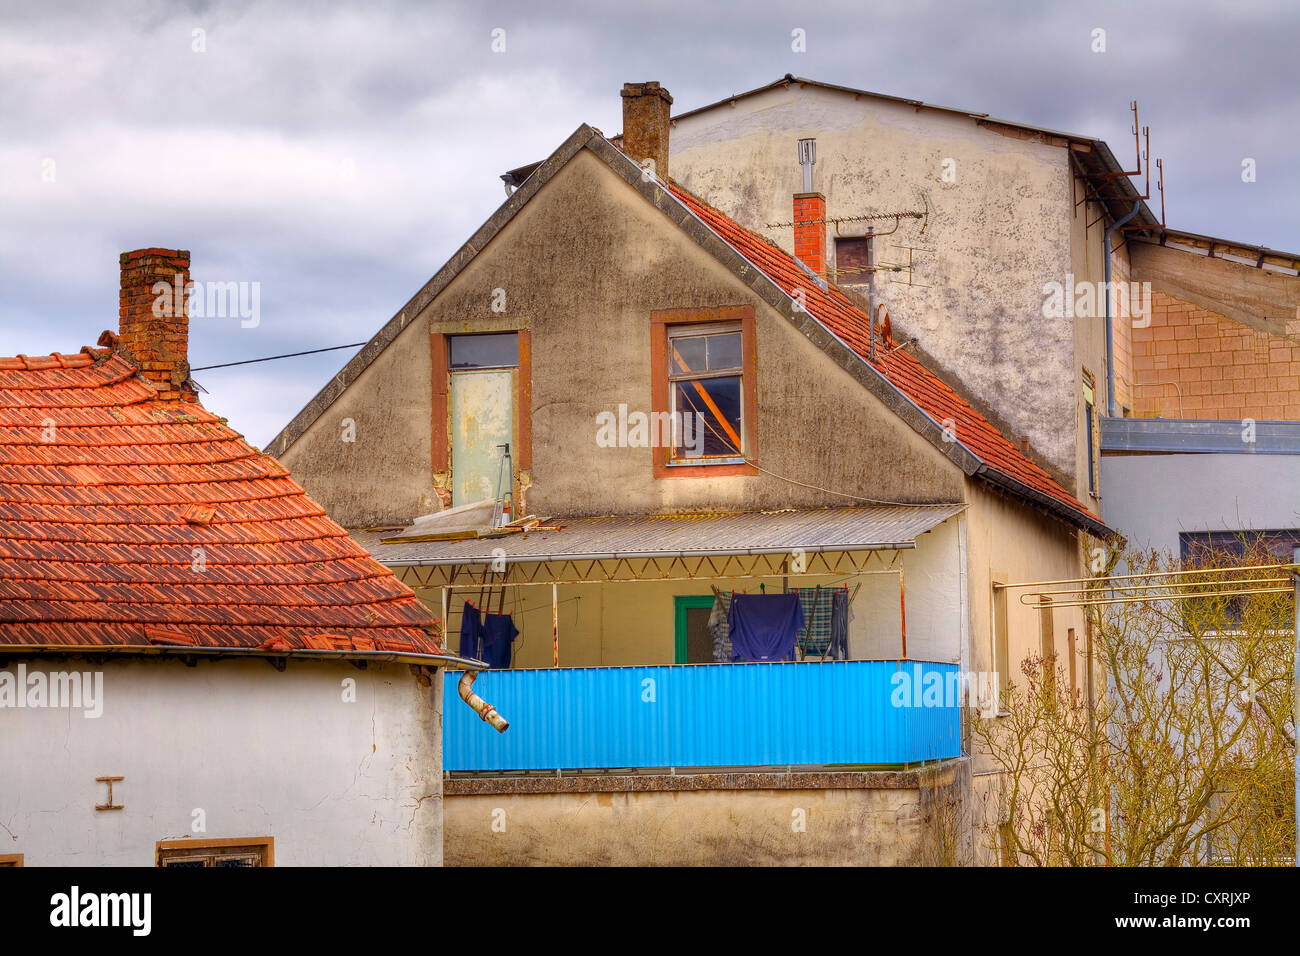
[126, 520]
[851, 324]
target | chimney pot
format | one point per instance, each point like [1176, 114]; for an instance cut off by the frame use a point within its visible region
[646, 117]
[153, 326]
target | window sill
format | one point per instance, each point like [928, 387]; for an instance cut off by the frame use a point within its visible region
[704, 462]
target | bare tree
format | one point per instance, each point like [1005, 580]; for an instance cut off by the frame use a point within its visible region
[1187, 754]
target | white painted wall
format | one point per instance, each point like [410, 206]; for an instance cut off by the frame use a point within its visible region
[262, 752]
[1151, 498]
[932, 594]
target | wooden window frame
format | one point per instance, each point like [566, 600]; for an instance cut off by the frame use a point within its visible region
[11, 859]
[265, 843]
[660, 397]
[440, 412]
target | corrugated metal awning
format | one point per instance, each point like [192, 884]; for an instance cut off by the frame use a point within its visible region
[875, 528]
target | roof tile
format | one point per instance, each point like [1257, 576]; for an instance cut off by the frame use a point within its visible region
[837, 312]
[128, 520]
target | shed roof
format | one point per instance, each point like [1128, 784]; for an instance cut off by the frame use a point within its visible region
[872, 528]
[129, 521]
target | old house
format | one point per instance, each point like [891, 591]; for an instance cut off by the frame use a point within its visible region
[197, 666]
[689, 414]
[981, 238]
[1168, 402]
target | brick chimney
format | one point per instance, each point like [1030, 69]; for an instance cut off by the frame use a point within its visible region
[645, 124]
[810, 231]
[153, 327]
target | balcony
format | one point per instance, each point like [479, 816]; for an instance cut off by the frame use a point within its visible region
[832, 713]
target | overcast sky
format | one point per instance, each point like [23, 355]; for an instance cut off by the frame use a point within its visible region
[339, 154]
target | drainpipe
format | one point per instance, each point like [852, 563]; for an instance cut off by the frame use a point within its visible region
[481, 707]
[1110, 339]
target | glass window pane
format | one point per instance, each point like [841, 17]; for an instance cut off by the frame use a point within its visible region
[687, 354]
[724, 351]
[710, 418]
[492, 350]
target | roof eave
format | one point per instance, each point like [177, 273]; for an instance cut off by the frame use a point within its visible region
[177, 650]
[1059, 509]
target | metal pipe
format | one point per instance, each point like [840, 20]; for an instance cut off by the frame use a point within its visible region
[902, 613]
[1151, 574]
[480, 706]
[1026, 599]
[1110, 335]
[1144, 599]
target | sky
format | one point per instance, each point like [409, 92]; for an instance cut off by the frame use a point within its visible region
[334, 156]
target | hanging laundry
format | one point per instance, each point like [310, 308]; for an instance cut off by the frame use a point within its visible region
[499, 632]
[840, 615]
[719, 629]
[817, 602]
[471, 632]
[764, 627]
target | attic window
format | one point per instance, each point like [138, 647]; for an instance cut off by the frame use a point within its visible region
[705, 382]
[487, 350]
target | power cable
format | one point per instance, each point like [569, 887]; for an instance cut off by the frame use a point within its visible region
[271, 358]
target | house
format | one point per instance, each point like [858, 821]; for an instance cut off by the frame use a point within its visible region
[1211, 456]
[982, 239]
[1002, 280]
[690, 413]
[197, 666]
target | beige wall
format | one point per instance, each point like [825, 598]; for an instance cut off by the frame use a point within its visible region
[1007, 541]
[583, 264]
[996, 234]
[890, 824]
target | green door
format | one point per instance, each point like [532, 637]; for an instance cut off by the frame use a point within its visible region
[482, 419]
[694, 644]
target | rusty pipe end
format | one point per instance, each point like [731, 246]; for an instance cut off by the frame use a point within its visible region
[481, 707]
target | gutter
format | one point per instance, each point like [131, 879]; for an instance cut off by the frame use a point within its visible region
[471, 667]
[1059, 509]
[189, 650]
[618, 555]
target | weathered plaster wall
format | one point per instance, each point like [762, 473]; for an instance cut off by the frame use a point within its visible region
[748, 819]
[261, 752]
[996, 233]
[384, 473]
[582, 266]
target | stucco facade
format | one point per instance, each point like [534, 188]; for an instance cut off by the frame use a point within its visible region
[1000, 225]
[339, 765]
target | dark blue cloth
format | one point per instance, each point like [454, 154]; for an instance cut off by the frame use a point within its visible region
[764, 627]
[499, 632]
[471, 632]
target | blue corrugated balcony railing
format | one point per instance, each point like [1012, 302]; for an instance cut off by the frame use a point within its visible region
[706, 715]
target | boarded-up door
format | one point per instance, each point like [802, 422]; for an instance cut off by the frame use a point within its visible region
[482, 419]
